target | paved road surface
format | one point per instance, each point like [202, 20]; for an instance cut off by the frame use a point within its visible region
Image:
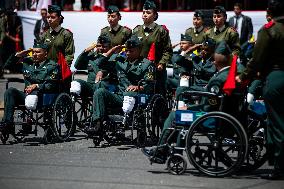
[76, 164]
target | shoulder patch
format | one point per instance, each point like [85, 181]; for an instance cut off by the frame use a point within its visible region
[269, 24]
[165, 27]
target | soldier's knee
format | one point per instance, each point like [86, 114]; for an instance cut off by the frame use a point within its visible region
[10, 91]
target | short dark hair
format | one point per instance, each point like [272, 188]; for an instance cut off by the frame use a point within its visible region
[238, 5]
[276, 7]
[43, 9]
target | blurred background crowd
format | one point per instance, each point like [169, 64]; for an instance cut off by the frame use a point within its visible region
[129, 5]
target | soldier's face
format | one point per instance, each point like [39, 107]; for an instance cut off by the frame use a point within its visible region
[53, 19]
[197, 22]
[206, 52]
[133, 53]
[184, 45]
[219, 20]
[102, 48]
[220, 61]
[148, 16]
[39, 55]
[113, 19]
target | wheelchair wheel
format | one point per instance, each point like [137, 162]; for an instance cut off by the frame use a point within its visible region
[82, 111]
[4, 136]
[257, 151]
[176, 164]
[159, 113]
[216, 144]
[63, 126]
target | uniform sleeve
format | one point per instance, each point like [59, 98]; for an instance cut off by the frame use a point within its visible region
[167, 48]
[122, 77]
[235, 42]
[260, 56]
[81, 62]
[69, 48]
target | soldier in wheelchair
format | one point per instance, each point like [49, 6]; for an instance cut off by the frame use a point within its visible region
[129, 71]
[41, 76]
[175, 131]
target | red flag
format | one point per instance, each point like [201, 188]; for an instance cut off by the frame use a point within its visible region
[18, 47]
[151, 54]
[65, 70]
[230, 83]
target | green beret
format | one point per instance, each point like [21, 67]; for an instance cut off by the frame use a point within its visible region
[54, 8]
[219, 10]
[40, 45]
[223, 48]
[185, 37]
[104, 39]
[149, 5]
[199, 13]
[112, 9]
[209, 42]
[133, 42]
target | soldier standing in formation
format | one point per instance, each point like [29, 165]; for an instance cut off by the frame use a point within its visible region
[268, 60]
[198, 31]
[118, 34]
[222, 32]
[151, 33]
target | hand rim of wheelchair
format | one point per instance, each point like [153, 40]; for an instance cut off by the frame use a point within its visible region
[176, 164]
[63, 103]
[241, 151]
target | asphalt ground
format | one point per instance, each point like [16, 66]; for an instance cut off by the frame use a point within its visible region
[77, 164]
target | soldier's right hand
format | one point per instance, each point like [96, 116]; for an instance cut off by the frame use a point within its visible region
[23, 53]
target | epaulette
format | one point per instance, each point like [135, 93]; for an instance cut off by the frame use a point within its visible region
[165, 27]
[127, 28]
[136, 28]
[68, 30]
[269, 24]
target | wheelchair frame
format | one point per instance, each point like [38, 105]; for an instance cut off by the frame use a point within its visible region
[250, 148]
[56, 119]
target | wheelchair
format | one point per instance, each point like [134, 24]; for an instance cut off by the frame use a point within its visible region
[218, 141]
[54, 113]
[141, 125]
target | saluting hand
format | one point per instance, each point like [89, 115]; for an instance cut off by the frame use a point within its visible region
[23, 53]
[160, 67]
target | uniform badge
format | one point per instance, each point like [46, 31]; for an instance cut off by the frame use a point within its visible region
[47, 40]
[212, 101]
[149, 75]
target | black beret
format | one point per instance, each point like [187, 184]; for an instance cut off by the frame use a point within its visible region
[198, 13]
[185, 37]
[112, 9]
[209, 42]
[40, 45]
[54, 8]
[149, 5]
[219, 10]
[223, 48]
[104, 39]
[133, 42]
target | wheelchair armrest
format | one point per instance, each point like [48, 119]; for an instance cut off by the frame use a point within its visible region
[199, 93]
[13, 80]
[84, 72]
